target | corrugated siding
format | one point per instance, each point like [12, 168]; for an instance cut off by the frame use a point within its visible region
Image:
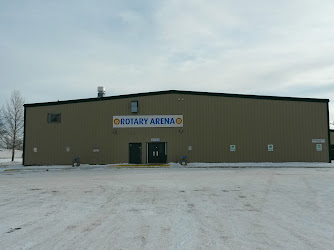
[211, 125]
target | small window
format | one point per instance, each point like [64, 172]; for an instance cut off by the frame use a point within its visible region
[54, 118]
[134, 106]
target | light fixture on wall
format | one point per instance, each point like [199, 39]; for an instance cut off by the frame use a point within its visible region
[114, 131]
[181, 130]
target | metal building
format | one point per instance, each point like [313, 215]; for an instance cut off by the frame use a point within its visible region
[159, 127]
[332, 143]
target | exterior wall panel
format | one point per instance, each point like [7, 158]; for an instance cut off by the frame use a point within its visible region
[211, 125]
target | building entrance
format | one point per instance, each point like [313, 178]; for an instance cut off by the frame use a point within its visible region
[156, 152]
[135, 153]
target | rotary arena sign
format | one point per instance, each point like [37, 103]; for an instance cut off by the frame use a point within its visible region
[148, 121]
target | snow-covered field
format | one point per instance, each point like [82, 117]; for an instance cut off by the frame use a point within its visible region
[6, 155]
[166, 208]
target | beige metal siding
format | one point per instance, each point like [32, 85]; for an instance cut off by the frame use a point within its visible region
[251, 125]
[211, 125]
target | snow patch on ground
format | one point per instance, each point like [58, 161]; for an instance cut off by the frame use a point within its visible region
[104, 207]
[8, 165]
[6, 154]
[262, 164]
[6, 158]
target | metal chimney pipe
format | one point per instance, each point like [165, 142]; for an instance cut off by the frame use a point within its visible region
[101, 91]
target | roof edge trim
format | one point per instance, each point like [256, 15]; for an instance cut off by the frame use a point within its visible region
[183, 92]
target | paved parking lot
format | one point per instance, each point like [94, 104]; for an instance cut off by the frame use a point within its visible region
[167, 208]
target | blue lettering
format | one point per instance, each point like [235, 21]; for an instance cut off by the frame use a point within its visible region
[122, 121]
[136, 121]
[127, 121]
[167, 120]
[172, 121]
[157, 121]
[163, 120]
[152, 121]
[141, 120]
[145, 119]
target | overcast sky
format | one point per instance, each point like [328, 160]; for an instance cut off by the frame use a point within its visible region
[60, 50]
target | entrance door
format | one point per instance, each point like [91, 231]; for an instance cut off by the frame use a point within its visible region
[156, 152]
[135, 153]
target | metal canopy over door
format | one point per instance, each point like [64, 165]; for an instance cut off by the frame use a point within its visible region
[135, 153]
[156, 152]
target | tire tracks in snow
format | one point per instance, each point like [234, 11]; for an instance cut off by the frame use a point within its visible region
[79, 229]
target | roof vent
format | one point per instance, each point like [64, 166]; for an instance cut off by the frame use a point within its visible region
[101, 91]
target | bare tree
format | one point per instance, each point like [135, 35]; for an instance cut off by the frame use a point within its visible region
[13, 114]
[2, 130]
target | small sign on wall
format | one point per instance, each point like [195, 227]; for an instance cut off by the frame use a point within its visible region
[155, 139]
[318, 147]
[318, 140]
[233, 148]
[270, 147]
[96, 150]
[35, 150]
[190, 148]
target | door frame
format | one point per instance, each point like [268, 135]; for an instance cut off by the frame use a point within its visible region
[153, 143]
[141, 151]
